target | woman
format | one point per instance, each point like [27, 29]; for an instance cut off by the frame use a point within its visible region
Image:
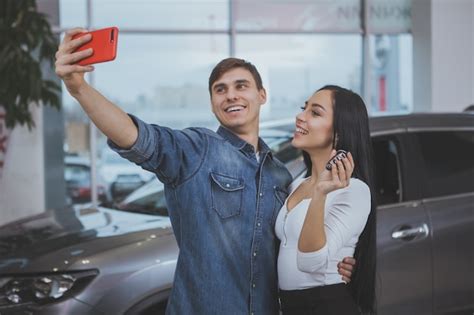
[331, 213]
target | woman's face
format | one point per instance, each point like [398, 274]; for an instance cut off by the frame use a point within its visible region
[314, 125]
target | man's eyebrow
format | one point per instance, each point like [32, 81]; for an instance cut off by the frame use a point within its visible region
[223, 85]
[219, 85]
[315, 105]
[242, 81]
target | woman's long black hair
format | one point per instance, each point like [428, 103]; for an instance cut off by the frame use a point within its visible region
[351, 129]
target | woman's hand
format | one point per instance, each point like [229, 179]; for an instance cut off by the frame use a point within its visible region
[338, 177]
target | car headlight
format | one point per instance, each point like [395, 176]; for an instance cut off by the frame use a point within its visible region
[42, 289]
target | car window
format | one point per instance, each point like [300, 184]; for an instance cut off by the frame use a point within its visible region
[387, 172]
[449, 162]
[78, 173]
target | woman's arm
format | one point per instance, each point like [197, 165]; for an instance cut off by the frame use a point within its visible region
[346, 217]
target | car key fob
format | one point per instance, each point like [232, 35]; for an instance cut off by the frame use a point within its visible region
[340, 154]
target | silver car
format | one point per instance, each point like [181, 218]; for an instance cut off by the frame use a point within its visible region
[120, 259]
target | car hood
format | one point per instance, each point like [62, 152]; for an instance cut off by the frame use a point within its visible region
[56, 240]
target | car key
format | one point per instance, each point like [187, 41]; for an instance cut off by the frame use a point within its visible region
[340, 154]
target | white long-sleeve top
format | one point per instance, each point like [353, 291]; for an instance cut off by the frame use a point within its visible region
[345, 214]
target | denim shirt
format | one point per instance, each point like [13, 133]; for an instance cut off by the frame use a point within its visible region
[223, 204]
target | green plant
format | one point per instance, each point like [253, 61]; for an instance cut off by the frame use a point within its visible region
[26, 40]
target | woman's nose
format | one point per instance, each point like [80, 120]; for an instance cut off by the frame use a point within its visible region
[300, 117]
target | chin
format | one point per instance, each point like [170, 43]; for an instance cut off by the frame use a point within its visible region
[233, 125]
[296, 143]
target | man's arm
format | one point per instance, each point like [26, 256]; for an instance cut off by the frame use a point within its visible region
[108, 117]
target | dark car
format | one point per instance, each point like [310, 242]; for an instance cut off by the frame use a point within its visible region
[122, 260]
[77, 174]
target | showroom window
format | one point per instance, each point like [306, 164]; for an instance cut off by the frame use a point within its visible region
[167, 49]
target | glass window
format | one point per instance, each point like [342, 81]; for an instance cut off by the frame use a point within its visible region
[387, 173]
[293, 67]
[391, 73]
[72, 13]
[163, 78]
[159, 78]
[389, 16]
[162, 14]
[303, 15]
[449, 162]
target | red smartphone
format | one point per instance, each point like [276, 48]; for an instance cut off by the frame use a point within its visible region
[104, 44]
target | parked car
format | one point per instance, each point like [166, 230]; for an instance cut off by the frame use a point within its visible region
[121, 176]
[121, 259]
[77, 174]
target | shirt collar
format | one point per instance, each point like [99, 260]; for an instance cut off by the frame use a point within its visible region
[241, 144]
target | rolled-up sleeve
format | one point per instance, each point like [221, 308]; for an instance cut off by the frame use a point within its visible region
[345, 218]
[173, 155]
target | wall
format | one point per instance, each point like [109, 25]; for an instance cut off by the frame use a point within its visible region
[443, 50]
[22, 179]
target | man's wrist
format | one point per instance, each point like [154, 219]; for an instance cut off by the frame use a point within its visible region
[78, 91]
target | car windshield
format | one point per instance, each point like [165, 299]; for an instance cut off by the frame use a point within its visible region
[148, 199]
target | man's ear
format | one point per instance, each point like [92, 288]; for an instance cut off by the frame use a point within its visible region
[263, 96]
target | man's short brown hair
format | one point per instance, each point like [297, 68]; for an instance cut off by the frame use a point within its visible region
[231, 63]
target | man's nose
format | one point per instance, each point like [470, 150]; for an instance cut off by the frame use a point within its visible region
[232, 94]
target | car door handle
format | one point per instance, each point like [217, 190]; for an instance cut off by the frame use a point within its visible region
[408, 233]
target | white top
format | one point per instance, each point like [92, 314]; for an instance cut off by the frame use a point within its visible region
[346, 212]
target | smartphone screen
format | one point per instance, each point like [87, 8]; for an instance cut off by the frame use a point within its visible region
[104, 44]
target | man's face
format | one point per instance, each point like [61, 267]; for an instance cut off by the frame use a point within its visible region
[236, 101]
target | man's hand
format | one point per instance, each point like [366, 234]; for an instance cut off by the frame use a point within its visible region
[66, 68]
[345, 268]
[108, 117]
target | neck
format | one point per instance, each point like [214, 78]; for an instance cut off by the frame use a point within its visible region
[249, 135]
[250, 138]
[319, 159]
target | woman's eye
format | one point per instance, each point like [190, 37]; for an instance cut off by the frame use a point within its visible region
[315, 113]
[302, 108]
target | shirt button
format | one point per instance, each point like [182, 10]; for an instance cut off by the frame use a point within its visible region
[258, 224]
[253, 285]
[227, 185]
[260, 194]
[254, 254]
[274, 187]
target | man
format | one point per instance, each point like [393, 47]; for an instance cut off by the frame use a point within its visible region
[223, 189]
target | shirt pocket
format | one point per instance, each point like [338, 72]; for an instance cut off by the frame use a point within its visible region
[226, 195]
[280, 196]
